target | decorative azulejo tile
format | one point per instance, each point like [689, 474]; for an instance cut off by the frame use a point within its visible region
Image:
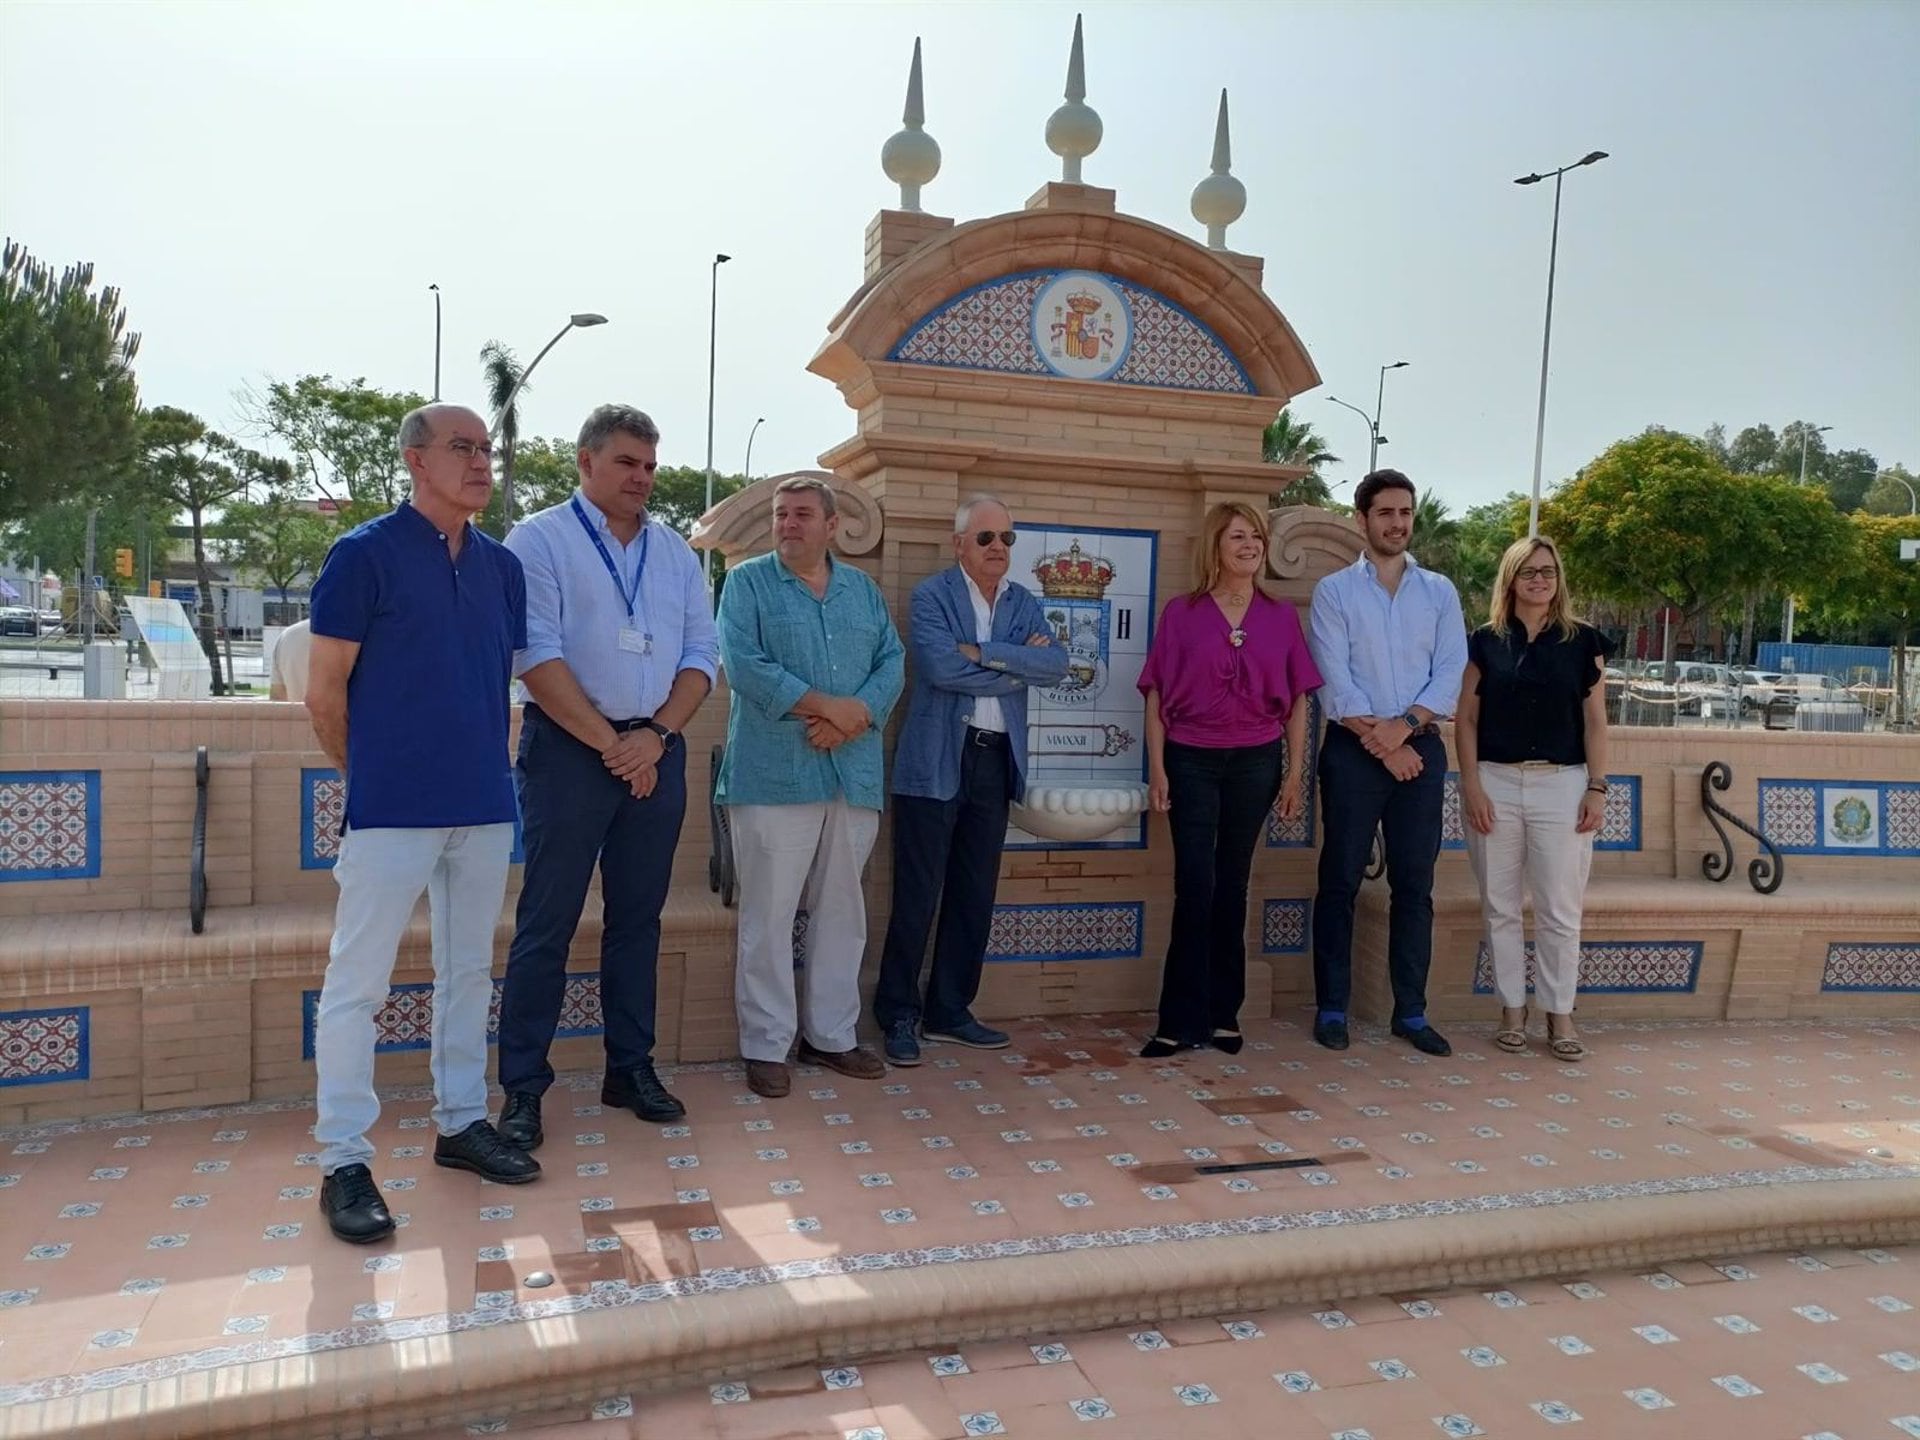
[1109, 930]
[44, 1047]
[1285, 927]
[1834, 817]
[322, 805]
[1613, 967]
[1868, 966]
[994, 326]
[1619, 830]
[405, 1022]
[1297, 833]
[49, 824]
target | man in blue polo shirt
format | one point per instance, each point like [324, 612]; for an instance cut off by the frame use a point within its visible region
[620, 652]
[416, 616]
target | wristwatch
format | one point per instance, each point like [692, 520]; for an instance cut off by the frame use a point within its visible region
[1411, 720]
[668, 738]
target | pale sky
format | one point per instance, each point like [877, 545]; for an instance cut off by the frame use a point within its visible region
[274, 185]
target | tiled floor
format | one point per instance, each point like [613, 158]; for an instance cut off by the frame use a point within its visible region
[194, 1239]
[1768, 1347]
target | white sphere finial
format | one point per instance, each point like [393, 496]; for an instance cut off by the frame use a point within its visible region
[1219, 200]
[1074, 130]
[911, 157]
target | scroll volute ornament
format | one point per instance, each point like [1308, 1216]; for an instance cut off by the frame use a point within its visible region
[741, 526]
[1305, 543]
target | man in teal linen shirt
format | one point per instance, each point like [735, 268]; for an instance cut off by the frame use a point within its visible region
[815, 667]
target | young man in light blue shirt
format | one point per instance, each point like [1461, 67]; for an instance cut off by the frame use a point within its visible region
[1391, 643]
[620, 652]
[815, 666]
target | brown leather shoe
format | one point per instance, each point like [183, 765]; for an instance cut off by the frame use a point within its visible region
[770, 1078]
[859, 1062]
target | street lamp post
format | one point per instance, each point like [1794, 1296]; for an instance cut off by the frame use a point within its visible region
[1786, 613]
[747, 470]
[1379, 404]
[1913, 499]
[1546, 339]
[436, 341]
[1374, 438]
[713, 336]
[583, 320]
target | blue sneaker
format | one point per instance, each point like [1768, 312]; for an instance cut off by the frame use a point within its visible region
[902, 1048]
[972, 1034]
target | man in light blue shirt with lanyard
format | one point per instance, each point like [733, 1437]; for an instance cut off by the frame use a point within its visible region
[1390, 641]
[620, 652]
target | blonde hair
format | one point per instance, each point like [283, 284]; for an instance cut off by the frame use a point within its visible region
[1559, 609]
[1206, 553]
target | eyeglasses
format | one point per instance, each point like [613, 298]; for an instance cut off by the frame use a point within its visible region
[984, 538]
[467, 449]
[1539, 572]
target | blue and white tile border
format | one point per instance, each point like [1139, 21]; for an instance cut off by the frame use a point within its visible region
[1620, 830]
[1841, 817]
[620, 1295]
[1618, 967]
[1871, 967]
[405, 1020]
[322, 804]
[1105, 930]
[1286, 927]
[45, 1047]
[49, 825]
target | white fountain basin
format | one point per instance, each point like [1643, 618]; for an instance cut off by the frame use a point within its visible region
[1077, 813]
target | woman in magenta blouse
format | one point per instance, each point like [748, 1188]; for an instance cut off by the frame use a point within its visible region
[1224, 681]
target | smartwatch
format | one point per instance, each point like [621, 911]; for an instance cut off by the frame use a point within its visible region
[668, 739]
[1411, 720]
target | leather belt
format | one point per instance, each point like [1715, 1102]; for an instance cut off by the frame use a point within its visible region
[620, 727]
[985, 738]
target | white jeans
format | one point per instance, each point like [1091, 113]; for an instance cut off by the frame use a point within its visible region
[1533, 847]
[381, 874]
[790, 856]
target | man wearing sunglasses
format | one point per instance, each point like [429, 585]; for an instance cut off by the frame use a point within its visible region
[978, 642]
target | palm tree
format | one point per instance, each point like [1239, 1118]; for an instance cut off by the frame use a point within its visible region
[1436, 535]
[1288, 441]
[502, 374]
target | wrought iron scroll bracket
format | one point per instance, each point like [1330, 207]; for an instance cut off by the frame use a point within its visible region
[1766, 870]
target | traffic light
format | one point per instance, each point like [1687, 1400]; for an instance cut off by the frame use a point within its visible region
[123, 563]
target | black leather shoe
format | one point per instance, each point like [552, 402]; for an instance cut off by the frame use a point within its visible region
[1330, 1033]
[520, 1121]
[640, 1091]
[1427, 1040]
[480, 1149]
[353, 1207]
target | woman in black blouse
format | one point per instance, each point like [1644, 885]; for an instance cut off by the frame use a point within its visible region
[1531, 733]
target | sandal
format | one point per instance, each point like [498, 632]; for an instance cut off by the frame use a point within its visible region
[1512, 1038]
[1564, 1047]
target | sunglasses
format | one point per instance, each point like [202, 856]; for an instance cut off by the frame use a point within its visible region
[984, 538]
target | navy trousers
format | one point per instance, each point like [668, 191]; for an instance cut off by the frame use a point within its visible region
[1358, 796]
[573, 814]
[946, 856]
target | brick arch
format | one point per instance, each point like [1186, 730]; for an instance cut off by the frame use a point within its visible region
[1203, 282]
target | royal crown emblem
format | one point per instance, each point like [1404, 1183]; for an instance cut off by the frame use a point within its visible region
[1070, 575]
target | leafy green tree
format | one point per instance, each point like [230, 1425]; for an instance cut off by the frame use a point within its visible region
[1888, 496]
[1480, 538]
[1288, 441]
[278, 538]
[344, 437]
[69, 406]
[188, 467]
[1754, 451]
[1849, 475]
[1658, 519]
[1873, 585]
[545, 473]
[55, 535]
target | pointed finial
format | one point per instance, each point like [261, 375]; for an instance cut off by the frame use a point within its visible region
[911, 157]
[1074, 130]
[1219, 200]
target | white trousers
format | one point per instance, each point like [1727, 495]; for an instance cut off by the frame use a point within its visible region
[1534, 847]
[381, 875]
[791, 857]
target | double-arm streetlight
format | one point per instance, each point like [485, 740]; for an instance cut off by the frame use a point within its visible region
[1546, 339]
[583, 320]
[1374, 438]
[713, 336]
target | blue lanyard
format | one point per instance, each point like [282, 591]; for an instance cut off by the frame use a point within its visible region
[646, 535]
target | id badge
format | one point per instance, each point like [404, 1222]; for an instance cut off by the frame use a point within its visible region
[635, 642]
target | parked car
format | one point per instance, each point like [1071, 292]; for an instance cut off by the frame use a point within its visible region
[1702, 688]
[1815, 702]
[19, 620]
[1756, 688]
